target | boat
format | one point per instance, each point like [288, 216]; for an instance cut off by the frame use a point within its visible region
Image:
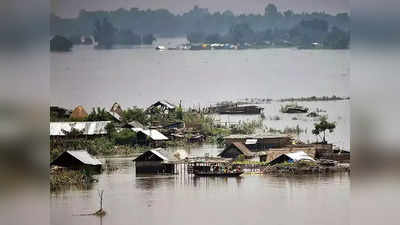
[217, 174]
[294, 109]
[161, 48]
[236, 109]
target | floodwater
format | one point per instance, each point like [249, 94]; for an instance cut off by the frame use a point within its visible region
[140, 76]
[337, 111]
[181, 200]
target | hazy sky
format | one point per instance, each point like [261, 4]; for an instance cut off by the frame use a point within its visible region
[70, 8]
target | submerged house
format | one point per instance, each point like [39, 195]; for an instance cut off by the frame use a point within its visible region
[79, 159]
[292, 157]
[259, 142]
[158, 161]
[149, 136]
[234, 150]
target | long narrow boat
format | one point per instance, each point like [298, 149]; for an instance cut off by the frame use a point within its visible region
[217, 174]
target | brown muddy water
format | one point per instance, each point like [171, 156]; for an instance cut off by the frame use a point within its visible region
[130, 198]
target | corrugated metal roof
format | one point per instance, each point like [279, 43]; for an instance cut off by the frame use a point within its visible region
[136, 124]
[85, 157]
[251, 141]
[88, 128]
[241, 147]
[300, 155]
[164, 154]
[169, 105]
[152, 133]
[115, 115]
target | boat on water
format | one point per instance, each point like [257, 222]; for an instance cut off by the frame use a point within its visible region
[161, 48]
[218, 174]
[294, 109]
[237, 109]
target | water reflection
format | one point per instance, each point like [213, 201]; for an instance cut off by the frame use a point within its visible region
[131, 198]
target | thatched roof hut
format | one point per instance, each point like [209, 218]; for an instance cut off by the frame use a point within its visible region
[79, 113]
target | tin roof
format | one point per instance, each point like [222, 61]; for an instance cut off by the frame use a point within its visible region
[155, 135]
[115, 115]
[163, 154]
[88, 128]
[241, 147]
[83, 156]
[136, 124]
[300, 155]
[165, 104]
[250, 142]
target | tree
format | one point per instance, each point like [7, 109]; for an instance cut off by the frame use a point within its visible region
[124, 137]
[148, 39]
[60, 44]
[196, 37]
[241, 33]
[99, 114]
[135, 114]
[104, 33]
[213, 38]
[323, 126]
[337, 39]
[288, 13]
[127, 37]
[271, 10]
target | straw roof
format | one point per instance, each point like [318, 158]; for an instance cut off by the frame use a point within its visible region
[79, 113]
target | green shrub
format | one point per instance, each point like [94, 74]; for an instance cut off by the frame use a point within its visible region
[124, 137]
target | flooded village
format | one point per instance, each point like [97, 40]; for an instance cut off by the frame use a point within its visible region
[153, 135]
[167, 142]
[203, 117]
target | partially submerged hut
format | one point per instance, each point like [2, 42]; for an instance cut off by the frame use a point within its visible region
[234, 150]
[158, 161]
[79, 113]
[149, 136]
[78, 159]
[259, 142]
[292, 157]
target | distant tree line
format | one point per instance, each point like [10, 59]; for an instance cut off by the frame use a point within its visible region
[313, 33]
[161, 22]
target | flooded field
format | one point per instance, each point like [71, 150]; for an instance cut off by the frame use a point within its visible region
[181, 200]
[338, 111]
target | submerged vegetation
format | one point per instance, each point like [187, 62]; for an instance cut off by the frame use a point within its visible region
[59, 177]
[287, 130]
